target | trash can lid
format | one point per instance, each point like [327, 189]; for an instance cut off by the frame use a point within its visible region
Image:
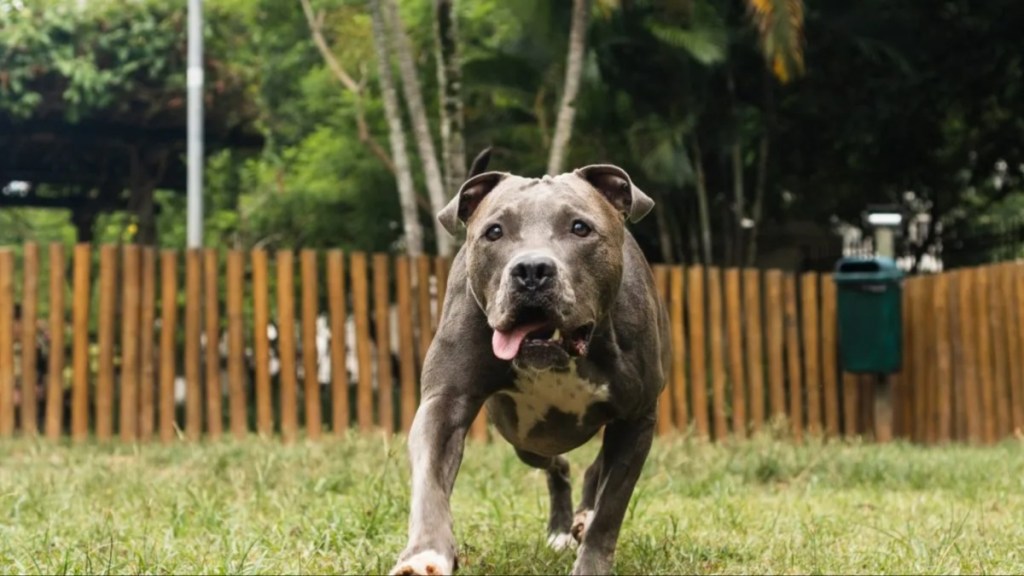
[876, 268]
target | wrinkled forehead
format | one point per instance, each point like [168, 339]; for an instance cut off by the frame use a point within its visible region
[536, 197]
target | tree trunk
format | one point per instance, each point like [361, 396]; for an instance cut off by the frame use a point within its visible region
[449, 78]
[418, 115]
[343, 77]
[84, 222]
[145, 172]
[762, 169]
[676, 221]
[396, 135]
[573, 73]
[736, 157]
[756, 209]
[702, 202]
[664, 234]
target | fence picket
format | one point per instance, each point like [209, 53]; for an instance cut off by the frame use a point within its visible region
[664, 418]
[338, 312]
[775, 336]
[1017, 347]
[696, 338]
[236, 344]
[793, 357]
[310, 304]
[261, 342]
[715, 330]
[999, 314]
[737, 380]
[147, 344]
[168, 328]
[58, 325]
[983, 333]
[361, 306]
[105, 377]
[211, 320]
[924, 342]
[193, 330]
[943, 411]
[910, 393]
[6, 343]
[675, 290]
[29, 334]
[811, 350]
[284, 259]
[80, 346]
[829, 362]
[970, 389]
[131, 280]
[956, 319]
[752, 311]
[382, 302]
[406, 345]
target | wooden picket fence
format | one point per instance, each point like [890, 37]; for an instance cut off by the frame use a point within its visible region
[749, 347]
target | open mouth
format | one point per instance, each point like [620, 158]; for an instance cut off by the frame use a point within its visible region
[533, 328]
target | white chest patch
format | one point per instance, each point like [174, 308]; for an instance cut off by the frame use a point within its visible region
[539, 391]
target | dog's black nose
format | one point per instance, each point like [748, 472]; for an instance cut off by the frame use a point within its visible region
[534, 273]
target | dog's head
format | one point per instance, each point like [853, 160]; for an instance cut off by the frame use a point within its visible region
[544, 256]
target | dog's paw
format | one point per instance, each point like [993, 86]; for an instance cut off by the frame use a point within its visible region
[580, 523]
[561, 542]
[426, 563]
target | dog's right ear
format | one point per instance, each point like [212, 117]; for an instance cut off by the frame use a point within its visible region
[468, 198]
[480, 162]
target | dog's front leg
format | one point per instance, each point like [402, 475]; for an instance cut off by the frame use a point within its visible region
[623, 454]
[436, 441]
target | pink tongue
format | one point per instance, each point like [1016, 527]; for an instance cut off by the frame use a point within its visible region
[506, 344]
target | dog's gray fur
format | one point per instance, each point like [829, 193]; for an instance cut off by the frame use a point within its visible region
[550, 398]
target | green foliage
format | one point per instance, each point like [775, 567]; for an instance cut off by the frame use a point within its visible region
[114, 57]
[704, 36]
[894, 97]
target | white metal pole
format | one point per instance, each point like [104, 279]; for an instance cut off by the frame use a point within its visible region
[195, 123]
[884, 241]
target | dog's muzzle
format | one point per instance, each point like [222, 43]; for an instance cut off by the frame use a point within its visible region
[534, 330]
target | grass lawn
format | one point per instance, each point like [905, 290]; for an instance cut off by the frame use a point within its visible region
[762, 506]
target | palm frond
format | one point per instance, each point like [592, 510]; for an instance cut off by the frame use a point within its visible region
[706, 44]
[780, 26]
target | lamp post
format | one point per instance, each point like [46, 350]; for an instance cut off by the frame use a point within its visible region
[195, 124]
[884, 221]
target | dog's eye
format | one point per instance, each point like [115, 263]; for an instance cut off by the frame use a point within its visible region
[580, 228]
[493, 233]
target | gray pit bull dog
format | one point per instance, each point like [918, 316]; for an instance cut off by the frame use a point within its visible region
[550, 319]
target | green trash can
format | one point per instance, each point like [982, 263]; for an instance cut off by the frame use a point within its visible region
[869, 296]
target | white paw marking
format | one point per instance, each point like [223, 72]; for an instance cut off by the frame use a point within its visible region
[538, 391]
[427, 562]
[560, 542]
[581, 523]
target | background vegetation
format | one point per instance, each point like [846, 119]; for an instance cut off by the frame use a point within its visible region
[744, 119]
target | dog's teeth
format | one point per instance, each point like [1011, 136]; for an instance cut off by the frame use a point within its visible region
[556, 336]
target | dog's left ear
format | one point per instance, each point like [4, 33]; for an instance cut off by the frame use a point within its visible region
[615, 185]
